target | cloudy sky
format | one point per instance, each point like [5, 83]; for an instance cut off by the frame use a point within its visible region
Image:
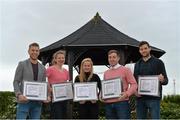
[47, 21]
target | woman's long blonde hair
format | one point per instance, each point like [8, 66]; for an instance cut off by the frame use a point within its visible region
[82, 76]
[56, 54]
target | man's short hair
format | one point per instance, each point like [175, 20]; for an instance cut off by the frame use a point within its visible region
[34, 44]
[114, 51]
[143, 43]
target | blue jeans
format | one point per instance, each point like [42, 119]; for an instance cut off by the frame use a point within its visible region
[143, 105]
[32, 109]
[118, 110]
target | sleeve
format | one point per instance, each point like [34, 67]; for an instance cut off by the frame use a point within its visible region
[66, 72]
[131, 80]
[104, 76]
[136, 71]
[163, 72]
[47, 72]
[18, 78]
[98, 82]
[44, 73]
[68, 75]
[77, 79]
[49, 85]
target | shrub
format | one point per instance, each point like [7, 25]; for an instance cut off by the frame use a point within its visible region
[7, 105]
[172, 99]
[170, 107]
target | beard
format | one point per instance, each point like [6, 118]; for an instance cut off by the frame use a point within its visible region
[33, 58]
[146, 55]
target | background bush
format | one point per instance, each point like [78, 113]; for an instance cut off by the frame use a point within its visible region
[170, 107]
[7, 105]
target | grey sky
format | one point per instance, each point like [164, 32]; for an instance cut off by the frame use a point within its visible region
[47, 21]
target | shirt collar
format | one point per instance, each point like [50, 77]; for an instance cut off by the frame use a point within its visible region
[116, 66]
[147, 59]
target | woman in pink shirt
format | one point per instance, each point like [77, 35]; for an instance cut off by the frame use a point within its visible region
[57, 74]
[118, 108]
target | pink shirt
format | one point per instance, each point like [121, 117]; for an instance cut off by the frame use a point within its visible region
[56, 76]
[127, 79]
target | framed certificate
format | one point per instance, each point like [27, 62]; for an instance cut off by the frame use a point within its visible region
[111, 88]
[62, 91]
[148, 85]
[35, 90]
[85, 91]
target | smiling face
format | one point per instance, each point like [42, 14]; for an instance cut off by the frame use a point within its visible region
[144, 50]
[113, 59]
[87, 67]
[33, 52]
[60, 59]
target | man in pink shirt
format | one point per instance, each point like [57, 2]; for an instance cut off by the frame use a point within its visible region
[118, 108]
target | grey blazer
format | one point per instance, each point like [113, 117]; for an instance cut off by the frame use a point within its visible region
[24, 72]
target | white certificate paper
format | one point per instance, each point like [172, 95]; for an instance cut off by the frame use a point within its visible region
[111, 88]
[62, 91]
[35, 90]
[148, 85]
[85, 91]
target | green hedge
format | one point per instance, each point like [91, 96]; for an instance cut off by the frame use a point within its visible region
[170, 107]
[172, 99]
[7, 105]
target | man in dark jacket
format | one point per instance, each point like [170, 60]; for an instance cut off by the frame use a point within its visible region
[149, 65]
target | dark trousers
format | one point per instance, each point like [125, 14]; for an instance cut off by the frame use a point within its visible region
[88, 110]
[58, 110]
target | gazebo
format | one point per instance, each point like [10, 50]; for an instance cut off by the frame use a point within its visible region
[94, 40]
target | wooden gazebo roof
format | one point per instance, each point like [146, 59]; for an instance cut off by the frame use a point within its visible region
[93, 40]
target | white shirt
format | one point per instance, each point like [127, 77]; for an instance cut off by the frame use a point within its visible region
[115, 67]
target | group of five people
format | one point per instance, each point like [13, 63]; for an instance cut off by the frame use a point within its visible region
[115, 108]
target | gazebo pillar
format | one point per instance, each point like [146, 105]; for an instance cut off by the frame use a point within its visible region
[70, 60]
[122, 57]
[44, 60]
[70, 64]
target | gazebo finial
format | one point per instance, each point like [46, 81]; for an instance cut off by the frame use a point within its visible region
[96, 18]
[97, 15]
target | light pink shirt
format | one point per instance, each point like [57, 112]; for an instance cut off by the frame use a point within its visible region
[128, 80]
[57, 76]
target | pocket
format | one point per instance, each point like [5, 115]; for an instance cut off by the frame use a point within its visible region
[23, 107]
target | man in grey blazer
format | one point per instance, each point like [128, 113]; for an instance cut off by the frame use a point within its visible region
[29, 70]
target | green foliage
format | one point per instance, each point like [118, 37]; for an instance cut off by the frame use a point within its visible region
[170, 107]
[7, 105]
[45, 111]
[101, 111]
[172, 99]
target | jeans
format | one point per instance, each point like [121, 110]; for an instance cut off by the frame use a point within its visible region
[118, 110]
[143, 105]
[32, 109]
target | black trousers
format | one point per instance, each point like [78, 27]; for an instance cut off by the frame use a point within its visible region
[88, 110]
[58, 110]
